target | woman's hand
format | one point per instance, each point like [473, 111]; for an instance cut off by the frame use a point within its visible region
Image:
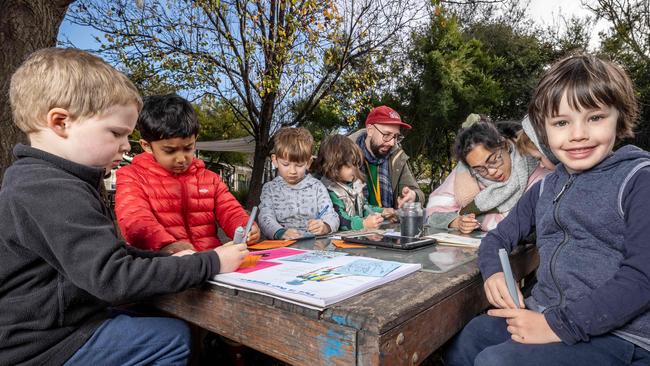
[465, 223]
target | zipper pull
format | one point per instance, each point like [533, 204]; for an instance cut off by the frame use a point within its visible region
[564, 188]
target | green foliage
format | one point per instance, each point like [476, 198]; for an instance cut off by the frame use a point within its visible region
[489, 65]
[265, 55]
[218, 123]
[522, 58]
[146, 77]
[450, 78]
[325, 119]
[628, 43]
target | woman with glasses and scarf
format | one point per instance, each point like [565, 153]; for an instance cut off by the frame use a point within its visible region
[489, 179]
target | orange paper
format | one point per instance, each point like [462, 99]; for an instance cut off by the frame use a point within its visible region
[271, 244]
[343, 244]
[250, 261]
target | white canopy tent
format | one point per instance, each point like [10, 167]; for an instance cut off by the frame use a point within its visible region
[242, 145]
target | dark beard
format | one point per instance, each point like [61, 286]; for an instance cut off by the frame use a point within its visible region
[375, 150]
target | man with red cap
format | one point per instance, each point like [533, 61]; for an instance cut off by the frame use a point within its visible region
[390, 181]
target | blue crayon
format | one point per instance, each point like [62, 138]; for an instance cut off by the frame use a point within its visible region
[322, 212]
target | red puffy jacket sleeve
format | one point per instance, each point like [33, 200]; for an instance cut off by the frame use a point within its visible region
[135, 215]
[229, 213]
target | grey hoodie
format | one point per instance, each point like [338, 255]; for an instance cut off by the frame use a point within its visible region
[285, 206]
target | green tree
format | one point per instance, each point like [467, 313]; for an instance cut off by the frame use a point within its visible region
[627, 41]
[264, 54]
[522, 57]
[449, 77]
[219, 123]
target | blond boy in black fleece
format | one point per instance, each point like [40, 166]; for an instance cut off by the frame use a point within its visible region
[62, 262]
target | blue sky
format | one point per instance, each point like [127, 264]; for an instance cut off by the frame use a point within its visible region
[545, 12]
[81, 37]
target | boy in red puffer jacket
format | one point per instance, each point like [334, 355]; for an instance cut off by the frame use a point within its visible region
[166, 200]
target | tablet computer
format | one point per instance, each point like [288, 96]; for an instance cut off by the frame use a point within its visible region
[389, 241]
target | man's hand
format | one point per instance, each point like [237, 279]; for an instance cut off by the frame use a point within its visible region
[497, 293]
[526, 326]
[253, 235]
[177, 247]
[231, 256]
[465, 223]
[372, 221]
[390, 214]
[318, 227]
[408, 195]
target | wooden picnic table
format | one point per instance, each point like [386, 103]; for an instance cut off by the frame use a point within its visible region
[400, 323]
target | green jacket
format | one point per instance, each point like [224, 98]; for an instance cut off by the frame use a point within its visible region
[349, 203]
[400, 172]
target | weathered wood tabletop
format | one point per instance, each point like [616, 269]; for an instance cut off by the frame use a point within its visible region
[399, 323]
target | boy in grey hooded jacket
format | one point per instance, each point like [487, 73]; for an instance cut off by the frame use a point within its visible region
[590, 303]
[295, 202]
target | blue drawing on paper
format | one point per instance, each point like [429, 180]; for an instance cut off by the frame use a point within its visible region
[366, 267]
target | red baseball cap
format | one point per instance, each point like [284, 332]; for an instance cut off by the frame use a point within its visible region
[384, 115]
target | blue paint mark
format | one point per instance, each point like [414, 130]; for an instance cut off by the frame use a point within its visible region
[331, 345]
[346, 320]
[338, 319]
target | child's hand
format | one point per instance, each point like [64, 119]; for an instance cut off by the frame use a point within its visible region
[231, 256]
[177, 247]
[318, 227]
[526, 326]
[373, 221]
[497, 293]
[408, 195]
[465, 223]
[291, 234]
[254, 234]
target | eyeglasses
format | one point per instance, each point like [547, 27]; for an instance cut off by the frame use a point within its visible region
[494, 162]
[386, 137]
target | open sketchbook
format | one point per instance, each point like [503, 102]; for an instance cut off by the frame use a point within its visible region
[456, 240]
[316, 278]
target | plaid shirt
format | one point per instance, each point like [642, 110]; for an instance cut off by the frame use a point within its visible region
[383, 175]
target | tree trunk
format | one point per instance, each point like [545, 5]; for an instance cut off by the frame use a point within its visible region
[257, 177]
[25, 26]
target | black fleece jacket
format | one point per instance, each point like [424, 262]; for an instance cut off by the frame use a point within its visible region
[62, 264]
